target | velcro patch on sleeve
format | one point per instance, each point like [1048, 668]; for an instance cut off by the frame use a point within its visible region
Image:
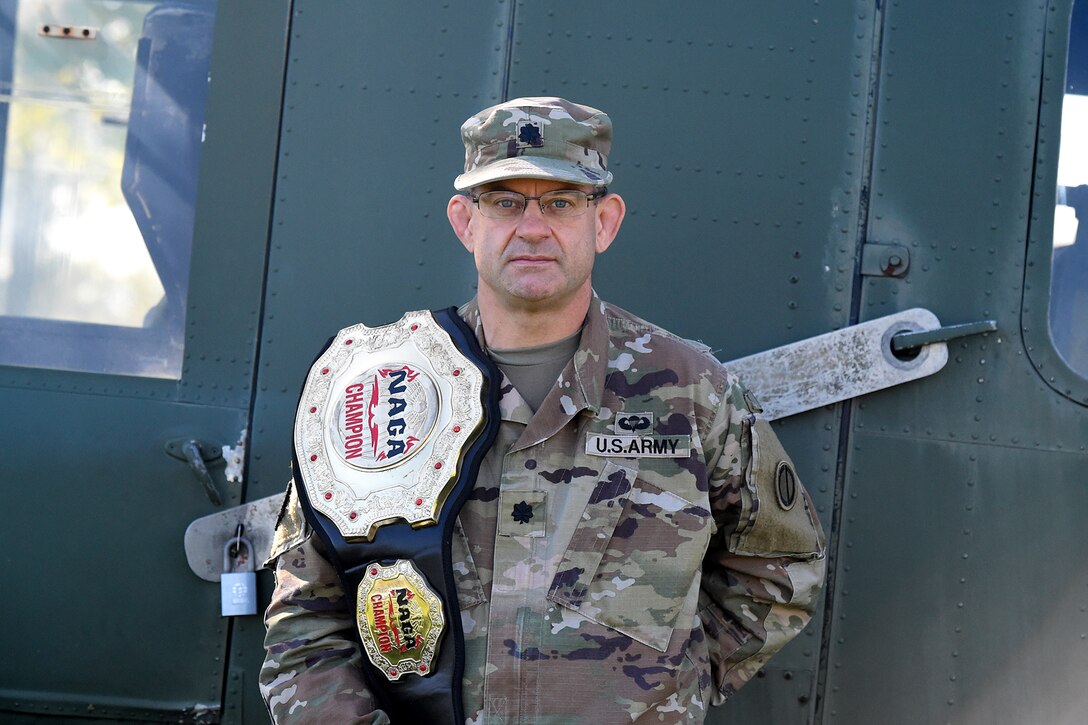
[785, 522]
[638, 446]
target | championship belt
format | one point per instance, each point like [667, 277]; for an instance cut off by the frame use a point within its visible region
[391, 427]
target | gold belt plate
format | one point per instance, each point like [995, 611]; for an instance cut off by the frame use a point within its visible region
[399, 618]
[385, 415]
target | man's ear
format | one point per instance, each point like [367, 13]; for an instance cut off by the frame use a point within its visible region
[610, 212]
[459, 212]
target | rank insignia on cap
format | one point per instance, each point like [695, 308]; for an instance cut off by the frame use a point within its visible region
[531, 133]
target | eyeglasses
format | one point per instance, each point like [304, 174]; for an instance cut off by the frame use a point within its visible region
[558, 204]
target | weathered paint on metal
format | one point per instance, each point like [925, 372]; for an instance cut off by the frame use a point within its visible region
[838, 365]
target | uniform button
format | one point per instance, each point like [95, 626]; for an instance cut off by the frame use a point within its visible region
[530, 464]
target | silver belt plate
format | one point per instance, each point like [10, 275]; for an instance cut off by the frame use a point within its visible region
[384, 417]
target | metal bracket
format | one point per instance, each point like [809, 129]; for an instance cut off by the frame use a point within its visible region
[210, 452]
[205, 536]
[884, 260]
[839, 365]
[198, 454]
[235, 456]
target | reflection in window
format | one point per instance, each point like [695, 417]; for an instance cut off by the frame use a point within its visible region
[1069, 273]
[101, 139]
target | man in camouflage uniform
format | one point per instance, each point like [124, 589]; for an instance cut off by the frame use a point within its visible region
[625, 555]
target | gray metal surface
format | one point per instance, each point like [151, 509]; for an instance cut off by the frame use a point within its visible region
[839, 365]
[204, 537]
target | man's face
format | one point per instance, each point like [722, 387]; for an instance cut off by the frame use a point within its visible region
[534, 261]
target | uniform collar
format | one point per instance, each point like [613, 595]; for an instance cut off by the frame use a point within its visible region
[580, 385]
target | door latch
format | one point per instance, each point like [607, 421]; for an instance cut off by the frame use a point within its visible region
[198, 454]
[905, 341]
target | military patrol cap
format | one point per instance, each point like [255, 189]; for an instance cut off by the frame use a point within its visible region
[536, 138]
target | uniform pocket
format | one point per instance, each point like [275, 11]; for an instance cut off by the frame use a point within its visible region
[632, 557]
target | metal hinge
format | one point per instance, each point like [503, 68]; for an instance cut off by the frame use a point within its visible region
[235, 456]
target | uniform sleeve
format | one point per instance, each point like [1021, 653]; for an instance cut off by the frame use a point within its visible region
[764, 567]
[312, 670]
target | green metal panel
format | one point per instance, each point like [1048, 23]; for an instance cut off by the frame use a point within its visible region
[961, 578]
[92, 537]
[106, 620]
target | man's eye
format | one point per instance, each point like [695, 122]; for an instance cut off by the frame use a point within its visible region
[561, 204]
[506, 202]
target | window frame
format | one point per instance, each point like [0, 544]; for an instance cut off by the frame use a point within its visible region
[66, 345]
[1035, 307]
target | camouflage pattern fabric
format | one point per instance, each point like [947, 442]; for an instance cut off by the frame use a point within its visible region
[596, 589]
[536, 138]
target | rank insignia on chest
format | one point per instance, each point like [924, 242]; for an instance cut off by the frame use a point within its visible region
[634, 446]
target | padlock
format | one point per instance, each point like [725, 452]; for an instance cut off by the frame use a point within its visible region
[238, 589]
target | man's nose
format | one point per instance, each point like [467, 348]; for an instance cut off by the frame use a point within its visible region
[533, 224]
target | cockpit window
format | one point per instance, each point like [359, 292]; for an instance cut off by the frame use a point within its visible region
[1069, 271]
[101, 120]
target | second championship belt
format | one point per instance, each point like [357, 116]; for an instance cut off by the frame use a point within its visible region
[391, 427]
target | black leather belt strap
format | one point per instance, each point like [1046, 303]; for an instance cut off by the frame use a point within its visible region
[434, 698]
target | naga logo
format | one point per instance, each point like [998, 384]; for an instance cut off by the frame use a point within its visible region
[384, 415]
[394, 612]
